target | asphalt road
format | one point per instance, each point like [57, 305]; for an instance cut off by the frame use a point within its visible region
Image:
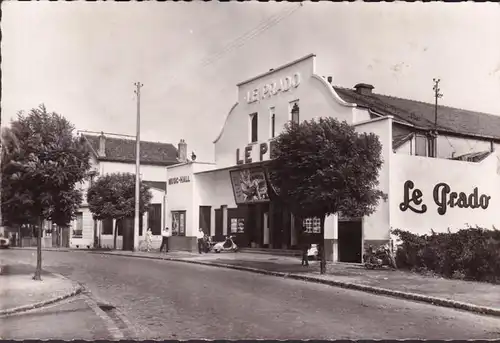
[173, 300]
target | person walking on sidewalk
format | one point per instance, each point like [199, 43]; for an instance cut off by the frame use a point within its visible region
[165, 234]
[305, 245]
[201, 240]
[149, 240]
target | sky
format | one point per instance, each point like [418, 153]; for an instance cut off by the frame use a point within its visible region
[81, 59]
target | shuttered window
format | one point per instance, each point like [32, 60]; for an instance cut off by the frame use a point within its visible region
[107, 226]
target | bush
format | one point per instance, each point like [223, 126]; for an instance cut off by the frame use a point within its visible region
[470, 254]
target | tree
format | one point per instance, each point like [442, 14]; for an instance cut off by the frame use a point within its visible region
[325, 167]
[112, 196]
[9, 144]
[39, 181]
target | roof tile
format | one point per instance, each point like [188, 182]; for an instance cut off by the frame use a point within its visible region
[422, 114]
[123, 150]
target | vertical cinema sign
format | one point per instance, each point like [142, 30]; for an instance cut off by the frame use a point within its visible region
[264, 148]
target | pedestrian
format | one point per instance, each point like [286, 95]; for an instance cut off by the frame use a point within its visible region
[165, 234]
[149, 240]
[305, 245]
[201, 238]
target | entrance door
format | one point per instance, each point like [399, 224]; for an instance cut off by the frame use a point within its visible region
[205, 216]
[350, 235]
[219, 235]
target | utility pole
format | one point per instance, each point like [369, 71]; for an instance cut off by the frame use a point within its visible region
[137, 91]
[437, 95]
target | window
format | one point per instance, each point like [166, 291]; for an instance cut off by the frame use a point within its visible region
[272, 119]
[420, 145]
[178, 223]
[432, 146]
[294, 111]
[107, 226]
[78, 230]
[154, 218]
[253, 127]
[312, 225]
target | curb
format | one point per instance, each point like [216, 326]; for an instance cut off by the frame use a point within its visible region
[79, 289]
[43, 249]
[369, 289]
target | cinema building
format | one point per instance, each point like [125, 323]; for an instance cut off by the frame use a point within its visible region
[436, 177]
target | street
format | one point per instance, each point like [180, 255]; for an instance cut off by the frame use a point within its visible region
[172, 300]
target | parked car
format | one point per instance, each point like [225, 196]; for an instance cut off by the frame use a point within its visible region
[4, 243]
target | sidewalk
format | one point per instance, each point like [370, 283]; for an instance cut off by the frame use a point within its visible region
[19, 292]
[465, 295]
[70, 319]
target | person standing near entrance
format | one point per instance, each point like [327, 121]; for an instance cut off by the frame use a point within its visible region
[201, 240]
[165, 234]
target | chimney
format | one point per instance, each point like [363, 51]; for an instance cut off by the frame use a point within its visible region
[102, 145]
[330, 79]
[182, 151]
[363, 88]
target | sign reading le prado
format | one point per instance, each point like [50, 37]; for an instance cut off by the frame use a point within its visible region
[273, 88]
[443, 197]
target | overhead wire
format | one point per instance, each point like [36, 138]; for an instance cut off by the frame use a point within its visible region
[238, 42]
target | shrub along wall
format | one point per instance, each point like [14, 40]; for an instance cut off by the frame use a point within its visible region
[471, 254]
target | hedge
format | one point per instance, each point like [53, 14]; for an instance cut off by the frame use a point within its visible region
[470, 254]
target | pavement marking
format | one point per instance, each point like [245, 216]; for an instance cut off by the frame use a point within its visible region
[110, 324]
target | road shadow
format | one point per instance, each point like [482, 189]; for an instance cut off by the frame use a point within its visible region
[19, 269]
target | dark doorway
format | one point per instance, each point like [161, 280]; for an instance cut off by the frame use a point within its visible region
[278, 225]
[350, 235]
[218, 225]
[205, 217]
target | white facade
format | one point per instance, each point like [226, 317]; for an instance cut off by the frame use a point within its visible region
[86, 239]
[274, 93]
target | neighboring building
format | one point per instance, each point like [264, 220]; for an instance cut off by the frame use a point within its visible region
[213, 196]
[111, 155]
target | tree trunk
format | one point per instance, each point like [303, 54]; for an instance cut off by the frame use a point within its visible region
[38, 270]
[115, 234]
[322, 247]
[95, 235]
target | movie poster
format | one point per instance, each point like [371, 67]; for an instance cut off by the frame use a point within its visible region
[234, 225]
[241, 225]
[249, 186]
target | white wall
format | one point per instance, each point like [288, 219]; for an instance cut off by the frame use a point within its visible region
[316, 99]
[148, 172]
[461, 176]
[180, 196]
[449, 146]
[87, 233]
[213, 189]
[377, 225]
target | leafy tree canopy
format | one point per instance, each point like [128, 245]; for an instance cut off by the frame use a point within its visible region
[112, 196]
[325, 167]
[39, 178]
